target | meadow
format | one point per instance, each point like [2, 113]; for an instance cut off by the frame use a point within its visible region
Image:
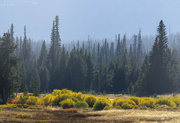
[68, 106]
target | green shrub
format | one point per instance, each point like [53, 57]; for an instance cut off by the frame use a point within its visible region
[23, 99]
[118, 107]
[127, 106]
[166, 101]
[23, 116]
[147, 102]
[177, 101]
[32, 100]
[100, 104]
[90, 100]
[59, 98]
[81, 104]
[121, 102]
[68, 103]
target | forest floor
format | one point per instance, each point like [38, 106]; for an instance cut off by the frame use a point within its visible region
[90, 116]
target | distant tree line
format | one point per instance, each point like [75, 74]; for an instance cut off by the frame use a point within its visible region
[107, 66]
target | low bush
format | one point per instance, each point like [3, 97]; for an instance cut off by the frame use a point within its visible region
[90, 100]
[177, 101]
[147, 102]
[23, 99]
[79, 96]
[68, 103]
[23, 116]
[59, 98]
[115, 101]
[166, 101]
[105, 99]
[32, 100]
[162, 107]
[135, 99]
[48, 99]
[127, 106]
[81, 104]
[15, 101]
[107, 108]
[120, 102]
[56, 92]
[100, 105]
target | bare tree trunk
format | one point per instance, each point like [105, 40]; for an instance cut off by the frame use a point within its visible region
[4, 95]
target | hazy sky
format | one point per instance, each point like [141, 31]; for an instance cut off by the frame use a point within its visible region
[80, 18]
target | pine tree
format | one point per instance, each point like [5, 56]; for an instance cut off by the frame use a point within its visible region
[26, 90]
[156, 76]
[36, 84]
[43, 55]
[90, 76]
[7, 63]
[44, 76]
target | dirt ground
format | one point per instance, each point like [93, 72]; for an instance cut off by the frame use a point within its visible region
[89, 116]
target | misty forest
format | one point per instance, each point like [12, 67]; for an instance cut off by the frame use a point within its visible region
[138, 65]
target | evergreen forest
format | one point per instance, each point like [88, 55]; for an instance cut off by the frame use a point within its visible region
[139, 65]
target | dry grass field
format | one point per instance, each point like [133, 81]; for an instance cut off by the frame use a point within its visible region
[33, 111]
[90, 116]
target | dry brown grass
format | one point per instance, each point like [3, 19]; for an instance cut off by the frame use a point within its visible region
[117, 116]
[136, 116]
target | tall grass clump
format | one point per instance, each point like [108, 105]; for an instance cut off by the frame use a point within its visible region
[24, 116]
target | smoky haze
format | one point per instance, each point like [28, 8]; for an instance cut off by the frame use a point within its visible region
[80, 18]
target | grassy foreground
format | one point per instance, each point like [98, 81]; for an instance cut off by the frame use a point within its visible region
[67, 106]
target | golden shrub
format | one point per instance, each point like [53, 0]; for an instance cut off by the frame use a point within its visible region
[162, 107]
[56, 92]
[100, 105]
[90, 100]
[166, 101]
[115, 101]
[48, 99]
[127, 106]
[68, 103]
[135, 99]
[105, 99]
[32, 100]
[177, 101]
[147, 102]
[80, 96]
[121, 102]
